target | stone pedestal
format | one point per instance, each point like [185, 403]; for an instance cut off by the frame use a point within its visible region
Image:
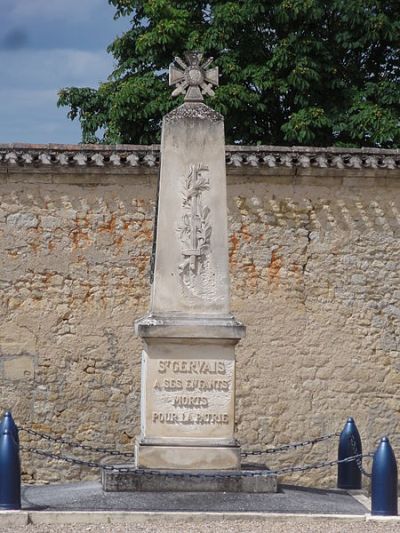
[188, 393]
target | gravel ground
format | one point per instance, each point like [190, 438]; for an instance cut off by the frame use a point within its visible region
[231, 526]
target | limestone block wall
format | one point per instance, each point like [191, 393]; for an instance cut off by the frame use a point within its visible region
[314, 258]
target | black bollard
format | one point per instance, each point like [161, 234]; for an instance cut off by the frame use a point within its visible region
[384, 481]
[8, 423]
[349, 474]
[10, 472]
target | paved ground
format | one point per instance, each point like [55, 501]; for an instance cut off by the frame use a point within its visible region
[89, 496]
[252, 526]
[83, 507]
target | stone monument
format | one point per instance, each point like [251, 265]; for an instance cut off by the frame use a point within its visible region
[188, 362]
[189, 335]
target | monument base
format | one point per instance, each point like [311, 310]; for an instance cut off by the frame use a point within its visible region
[251, 481]
[188, 393]
[188, 457]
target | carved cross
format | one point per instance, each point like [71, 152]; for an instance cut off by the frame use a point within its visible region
[193, 78]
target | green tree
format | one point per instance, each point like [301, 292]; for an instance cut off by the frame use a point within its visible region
[323, 72]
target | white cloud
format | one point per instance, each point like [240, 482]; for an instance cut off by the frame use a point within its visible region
[46, 45]
[41, 69]
[28, 92]
[46, 24]
[20, 10]
[33, 117]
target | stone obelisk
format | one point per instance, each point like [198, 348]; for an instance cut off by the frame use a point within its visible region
[188, 361]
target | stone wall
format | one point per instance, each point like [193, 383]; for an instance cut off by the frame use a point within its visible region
[314, 256]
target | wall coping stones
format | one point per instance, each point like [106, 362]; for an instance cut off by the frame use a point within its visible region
[18, 156]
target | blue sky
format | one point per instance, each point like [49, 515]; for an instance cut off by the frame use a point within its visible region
[46, 45]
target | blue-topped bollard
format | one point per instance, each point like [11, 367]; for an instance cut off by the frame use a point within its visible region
[10, 472]
[349, 474]
[384, 480]
[7, 422]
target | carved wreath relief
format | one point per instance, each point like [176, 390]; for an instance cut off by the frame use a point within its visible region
[195, 233]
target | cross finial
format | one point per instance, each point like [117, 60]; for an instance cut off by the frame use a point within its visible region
[193, 78]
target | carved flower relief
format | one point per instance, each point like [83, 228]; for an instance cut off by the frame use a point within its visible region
[195, 183]
[195, 229]
[204, 232]
[185, 231]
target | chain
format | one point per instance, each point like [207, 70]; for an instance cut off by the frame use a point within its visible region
[191, 475]
[282, 448]
[60, 457]
[359, 459]
[291, 446]
[322, 464]
[72, 444]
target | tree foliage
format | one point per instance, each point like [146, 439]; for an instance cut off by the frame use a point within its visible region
[322, 72]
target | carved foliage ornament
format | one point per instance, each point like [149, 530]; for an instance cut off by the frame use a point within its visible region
[195, 229]
[192, 77]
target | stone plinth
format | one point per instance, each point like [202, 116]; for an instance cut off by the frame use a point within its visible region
[188, 393]
[259, 481]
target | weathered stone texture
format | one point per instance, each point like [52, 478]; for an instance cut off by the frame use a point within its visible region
[74, 276]
[315, 277]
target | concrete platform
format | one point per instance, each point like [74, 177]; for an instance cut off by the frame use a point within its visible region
[183, 481]
[89, 497]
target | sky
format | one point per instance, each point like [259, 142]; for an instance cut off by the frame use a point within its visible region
[46, 45]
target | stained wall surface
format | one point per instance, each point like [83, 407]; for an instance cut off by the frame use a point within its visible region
[314, 262]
